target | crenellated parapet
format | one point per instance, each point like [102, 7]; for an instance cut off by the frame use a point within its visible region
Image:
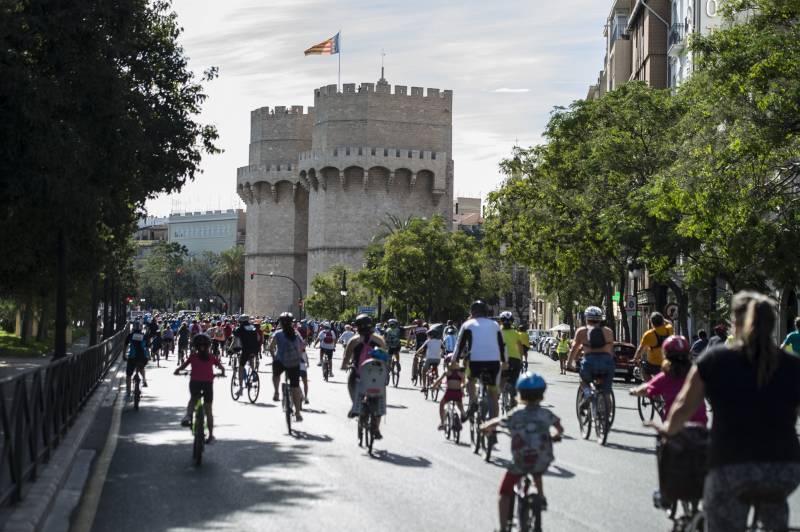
[316, 165]
[350, 89]
[258, 184]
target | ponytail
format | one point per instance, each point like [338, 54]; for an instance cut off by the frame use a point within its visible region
[754, 318]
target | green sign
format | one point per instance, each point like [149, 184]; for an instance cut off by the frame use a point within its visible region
[616, 297]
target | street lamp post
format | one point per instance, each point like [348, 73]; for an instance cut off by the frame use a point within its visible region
[273, 274]
[635, 273]
[343, 291]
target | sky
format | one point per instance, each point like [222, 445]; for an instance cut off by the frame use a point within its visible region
[508, 63]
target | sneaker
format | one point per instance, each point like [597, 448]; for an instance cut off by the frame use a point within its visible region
[186, 422]
[305, 401]
[210, 440]
[128, 397]
[330, 374]
[276, 398]
[377, 434]
[440, 427]
[351, 415]
[319, 364]
[298, 418]
[544, 504]
[144, 383]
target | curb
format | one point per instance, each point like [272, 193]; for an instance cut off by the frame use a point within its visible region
[31, 513]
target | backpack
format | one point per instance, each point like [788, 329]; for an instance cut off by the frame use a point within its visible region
[329, 339]
[597, 337]
[291, 355]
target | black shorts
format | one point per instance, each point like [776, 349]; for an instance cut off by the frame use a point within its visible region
[204, 389]
[244, 358]
[134, 363]
[490, 370]
[514, 369]
[326, 352]
[651, 369]
[394, 350]
[294, 373]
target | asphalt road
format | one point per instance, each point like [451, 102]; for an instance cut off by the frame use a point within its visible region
[256, 477]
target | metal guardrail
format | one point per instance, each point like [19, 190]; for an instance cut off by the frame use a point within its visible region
[677, 33]
[38, 407]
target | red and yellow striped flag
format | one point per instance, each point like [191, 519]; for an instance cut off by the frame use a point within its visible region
[328, 47]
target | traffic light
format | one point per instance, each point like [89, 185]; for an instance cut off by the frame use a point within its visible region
[252, 275]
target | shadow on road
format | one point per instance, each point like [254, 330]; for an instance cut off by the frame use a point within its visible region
[301, 435]
[400, 460]
[153, 461]
[401, 407]
[651, 434]
[630, 448]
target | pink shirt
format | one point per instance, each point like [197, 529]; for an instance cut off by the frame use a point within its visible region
[668, 387]
[203, 370]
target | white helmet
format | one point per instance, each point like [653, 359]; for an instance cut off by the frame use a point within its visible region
[506, 316]
[593, 314]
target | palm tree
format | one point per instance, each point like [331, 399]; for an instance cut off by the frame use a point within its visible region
[391, 225]
[229, 274]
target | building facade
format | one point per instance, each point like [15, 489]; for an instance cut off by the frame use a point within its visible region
[319, 182]
[213, 231]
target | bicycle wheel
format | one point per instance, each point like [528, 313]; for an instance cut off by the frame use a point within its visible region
[287, 406]
[601, 422]
[414, 373]
[448, 423]
[325, 368]
[137, 392]
[435, 393]
[395, 373]
[523, 513]
[199, 435]
[253, 387]
[234, 380]
[456, 429]
[584, 414]
[612, 414]
[369, 431]
[504, 400]
[473, 433]
[645, 408]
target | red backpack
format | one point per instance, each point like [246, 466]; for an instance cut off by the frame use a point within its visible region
[329, 339]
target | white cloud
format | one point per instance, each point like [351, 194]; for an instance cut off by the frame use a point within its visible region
[543, 54]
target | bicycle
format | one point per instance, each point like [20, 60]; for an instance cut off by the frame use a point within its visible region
[198, 428]
[366, 422]
[431, 376]
[507, 395]
[156, 355]
[137, 392]
[593, 403]
[326, 366]
[394, 371]
[181, 353]
[478, 438]
[286, 403]
[416, 370]
[452, 422]
[168, 347]
[654, 404]
[251, 382]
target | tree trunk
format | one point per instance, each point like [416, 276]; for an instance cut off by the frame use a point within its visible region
[27, 319]
[610, 321]
[623, 312]
[60, 344]
[113, 304]
[41, 333]
[93, 312]
[106, 313]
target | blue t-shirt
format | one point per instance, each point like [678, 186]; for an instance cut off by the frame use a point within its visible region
[284, 344]
[450, 343]
[792, 342]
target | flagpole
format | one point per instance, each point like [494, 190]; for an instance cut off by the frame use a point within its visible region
[339, 82]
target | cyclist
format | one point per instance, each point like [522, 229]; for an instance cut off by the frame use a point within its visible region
[531, 441]
[651, 343]
[348, 333]
[525, 341]
[450, 338]
[418, 334]
[514, 348]
[480, 341]
[356, 352]
[455, 388]
[168, 341]
[327, 344]
[202, 380]
[218, 339]
[752, 388]
[248, 337]
[287, 348]
[597, 344]
[194, 329]
[791, 344]
[700, 345]
[667, 384]
[138, 355]
[562, 350]
[393, 336]
[432, 351]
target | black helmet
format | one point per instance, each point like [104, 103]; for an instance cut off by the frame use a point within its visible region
[363, 322]
[286, 317]
[436, 331]
[201, 338]
[244, 318]
[479, 308]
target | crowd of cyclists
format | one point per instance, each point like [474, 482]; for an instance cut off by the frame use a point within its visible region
[751, 384]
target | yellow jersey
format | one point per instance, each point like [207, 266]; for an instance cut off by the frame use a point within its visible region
[653, 339]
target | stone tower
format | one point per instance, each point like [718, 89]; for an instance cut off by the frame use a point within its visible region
[359, 155]
[277, 208]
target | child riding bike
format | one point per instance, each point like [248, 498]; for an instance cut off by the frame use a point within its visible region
[202, 380]
[531, 442]
[432, 351]
[455, 388]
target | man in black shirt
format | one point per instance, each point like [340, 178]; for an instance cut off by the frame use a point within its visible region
[248, 338]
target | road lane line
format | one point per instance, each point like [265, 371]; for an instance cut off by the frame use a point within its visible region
[94, 489]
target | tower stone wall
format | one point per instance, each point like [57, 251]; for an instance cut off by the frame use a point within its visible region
[319, 183]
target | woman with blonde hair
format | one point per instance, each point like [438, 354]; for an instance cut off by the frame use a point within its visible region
[754, 390]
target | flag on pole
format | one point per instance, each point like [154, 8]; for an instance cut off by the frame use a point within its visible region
[328, 47]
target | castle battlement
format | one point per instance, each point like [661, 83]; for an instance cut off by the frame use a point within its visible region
[270, 174]
[280, 111]
[372, 152]
[350, 89]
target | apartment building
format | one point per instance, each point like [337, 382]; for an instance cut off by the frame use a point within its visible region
[648, 27]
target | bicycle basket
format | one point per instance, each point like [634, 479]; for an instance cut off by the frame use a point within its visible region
[372, 378]
[682, 464]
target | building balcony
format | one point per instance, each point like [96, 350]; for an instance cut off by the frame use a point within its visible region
[676, 40]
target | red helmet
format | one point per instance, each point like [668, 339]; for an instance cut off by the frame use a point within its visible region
[675, 344]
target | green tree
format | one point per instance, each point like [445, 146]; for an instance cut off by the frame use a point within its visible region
[160, 273]
[229, 275]
[325, 300]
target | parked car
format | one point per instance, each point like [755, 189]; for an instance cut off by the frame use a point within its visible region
[623, 360]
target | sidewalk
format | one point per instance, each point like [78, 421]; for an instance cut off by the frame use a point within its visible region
[10, 366]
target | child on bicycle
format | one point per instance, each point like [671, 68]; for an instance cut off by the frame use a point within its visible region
[455, 388]
[431, 349]
[674, 369]
[531, 442]
[202, 380]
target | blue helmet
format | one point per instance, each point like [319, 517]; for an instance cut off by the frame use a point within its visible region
[531, 381]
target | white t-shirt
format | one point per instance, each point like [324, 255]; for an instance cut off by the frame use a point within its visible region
[346, 337]
[433, 349]
[323, 343]
[484, 339]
